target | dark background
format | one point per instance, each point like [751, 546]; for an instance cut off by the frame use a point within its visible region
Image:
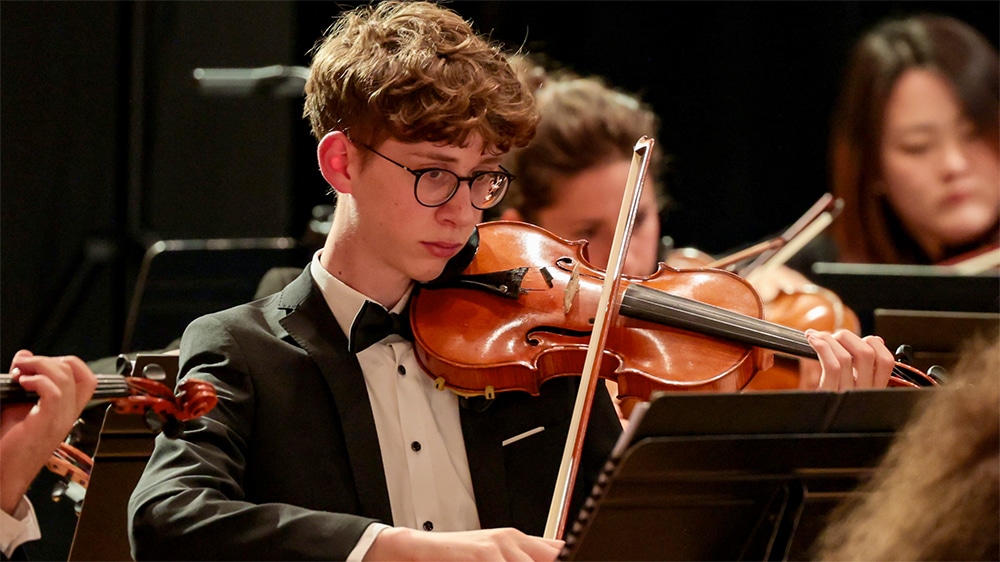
[107, 143]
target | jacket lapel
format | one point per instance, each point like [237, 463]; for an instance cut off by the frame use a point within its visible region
[312, 325]
[486, 464]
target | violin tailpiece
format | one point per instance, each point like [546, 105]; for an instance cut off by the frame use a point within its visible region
[503, 283]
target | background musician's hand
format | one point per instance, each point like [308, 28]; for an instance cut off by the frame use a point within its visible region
[771, 282]
[398, 543]
[29, 433]
[849, 361]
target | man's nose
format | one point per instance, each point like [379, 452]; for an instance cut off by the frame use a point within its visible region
[459, 210]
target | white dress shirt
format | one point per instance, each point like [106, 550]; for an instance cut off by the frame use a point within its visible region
[18, 528]
[419, 429]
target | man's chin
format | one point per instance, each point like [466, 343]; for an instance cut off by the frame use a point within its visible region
[429, 274]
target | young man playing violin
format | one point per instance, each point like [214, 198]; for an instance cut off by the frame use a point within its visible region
[325, 447]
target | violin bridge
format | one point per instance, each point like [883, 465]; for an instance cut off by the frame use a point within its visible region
[572, 288]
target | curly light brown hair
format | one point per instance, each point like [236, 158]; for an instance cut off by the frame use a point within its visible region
[415, 71]
[585, 123]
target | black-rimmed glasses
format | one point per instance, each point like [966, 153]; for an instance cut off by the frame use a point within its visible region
[434, 187]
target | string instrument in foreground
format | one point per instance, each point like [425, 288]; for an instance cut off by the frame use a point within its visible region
[789, 299]
[529, 307]
[140, 393]
[524, 309]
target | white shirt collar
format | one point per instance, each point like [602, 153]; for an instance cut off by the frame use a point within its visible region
[344, 301]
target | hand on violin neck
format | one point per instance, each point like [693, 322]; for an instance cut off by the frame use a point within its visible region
[29, 433]
[64, 386]
[847, 361]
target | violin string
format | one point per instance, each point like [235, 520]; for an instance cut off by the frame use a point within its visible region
[725, 323]
[758, 328]
[111, 386]
[108, 386]
[754, 325]
[660, 306]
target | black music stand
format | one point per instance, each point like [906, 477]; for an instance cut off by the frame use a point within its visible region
[935, 337]
[125, 444]
[180, 280]
[734, 476]
[866, 287]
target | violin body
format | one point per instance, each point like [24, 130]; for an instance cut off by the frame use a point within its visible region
[523, 310]
[811, 307]
[470, 338]
[807, 307]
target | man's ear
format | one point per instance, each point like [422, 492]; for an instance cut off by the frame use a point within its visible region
[334, 152]
[511, 214]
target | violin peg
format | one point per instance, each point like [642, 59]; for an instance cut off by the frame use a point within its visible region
[904, 354]
[153, 421]
[938, 373]
[59, 490]
[123, 365]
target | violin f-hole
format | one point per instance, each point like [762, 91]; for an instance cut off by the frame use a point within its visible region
[531, 339]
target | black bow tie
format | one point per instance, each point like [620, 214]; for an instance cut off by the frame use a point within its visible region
[373, 323]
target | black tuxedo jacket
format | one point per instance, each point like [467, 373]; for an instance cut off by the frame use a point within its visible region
[18, 554]
[287, 466]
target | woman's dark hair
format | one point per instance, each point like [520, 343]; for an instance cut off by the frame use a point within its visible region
[868, 231]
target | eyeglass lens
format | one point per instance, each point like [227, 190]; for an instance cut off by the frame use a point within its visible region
[435, 187]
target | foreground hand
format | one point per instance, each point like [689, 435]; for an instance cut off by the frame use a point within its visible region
[29, 433]
[847, 361]
[398, 543]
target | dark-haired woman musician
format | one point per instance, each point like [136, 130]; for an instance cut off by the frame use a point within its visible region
[914, 144]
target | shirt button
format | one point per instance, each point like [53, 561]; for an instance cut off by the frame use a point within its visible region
[415, 445]
[428, 526]
[401, 370]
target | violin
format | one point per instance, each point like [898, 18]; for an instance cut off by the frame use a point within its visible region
[523, 310]
[127, 394]
[527, 307]
[808, 306]
[136, 395]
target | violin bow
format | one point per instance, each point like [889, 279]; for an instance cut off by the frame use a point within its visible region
[827, 207]
[806, 235]
[751, 252]
[975, 262]
[559, 509]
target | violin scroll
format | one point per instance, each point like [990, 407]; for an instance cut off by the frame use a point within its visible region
[163, 410]
[934, 376]
[139, 395]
